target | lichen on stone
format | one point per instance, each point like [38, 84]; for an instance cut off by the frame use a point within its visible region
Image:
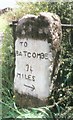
[44, 26]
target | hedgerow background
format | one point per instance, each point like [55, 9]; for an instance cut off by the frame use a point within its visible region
[60, 104]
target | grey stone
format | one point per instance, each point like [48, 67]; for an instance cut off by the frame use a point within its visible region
[37, 50]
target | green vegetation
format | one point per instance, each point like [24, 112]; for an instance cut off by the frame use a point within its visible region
[3, 23]
[60, 103]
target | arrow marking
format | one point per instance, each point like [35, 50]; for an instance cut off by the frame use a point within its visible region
[32, 87]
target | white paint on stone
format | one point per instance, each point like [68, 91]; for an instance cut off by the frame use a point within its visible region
[33, 72]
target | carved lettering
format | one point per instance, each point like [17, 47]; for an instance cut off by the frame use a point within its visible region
[27, 77]
[38, 55]
[42, 56]
[19, 75]
[29, 54]
[46, 56]
[32, 55]
[33, 78]
[30, 77]
[25, 53]
[24, 44]
[21, 43]
[29, 68]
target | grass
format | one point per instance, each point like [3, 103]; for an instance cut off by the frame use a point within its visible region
[3, 24]
[62, 108]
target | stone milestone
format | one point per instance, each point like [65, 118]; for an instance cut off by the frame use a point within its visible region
[36, 47]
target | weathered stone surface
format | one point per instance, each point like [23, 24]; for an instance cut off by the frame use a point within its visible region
[45, 26]
[34, 63]
[37, 50]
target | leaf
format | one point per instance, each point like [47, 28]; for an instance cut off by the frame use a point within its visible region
[58, 108]
[44, 112]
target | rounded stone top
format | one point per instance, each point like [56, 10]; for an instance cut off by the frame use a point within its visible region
[44, 26]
